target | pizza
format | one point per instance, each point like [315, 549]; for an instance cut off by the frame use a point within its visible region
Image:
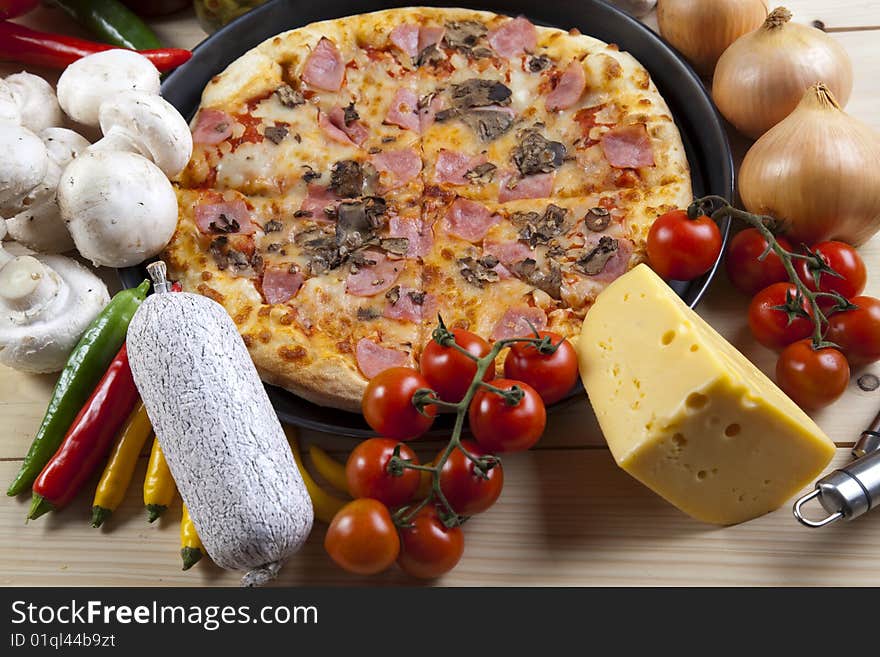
[354, 179]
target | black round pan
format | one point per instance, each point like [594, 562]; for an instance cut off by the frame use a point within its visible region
[702, 132]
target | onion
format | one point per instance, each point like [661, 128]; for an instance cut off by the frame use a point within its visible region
[703, 29]
[762, 77]
[817, 171]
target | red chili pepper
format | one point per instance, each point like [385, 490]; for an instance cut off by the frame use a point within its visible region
[88, 440]
[22, 44]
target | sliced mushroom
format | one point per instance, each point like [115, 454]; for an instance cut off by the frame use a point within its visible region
[480, 271]
[536, 229]
[536, 154]
[479, 93]
[594, 260]
[36, 101]
[597, 219]
[148, 125]
[464, 35]
[482, 174]
[88, 82]
[347, 179]
[489, 124]
[290, 97]
[549, 280]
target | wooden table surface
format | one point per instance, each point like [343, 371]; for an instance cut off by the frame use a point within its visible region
[567, 516]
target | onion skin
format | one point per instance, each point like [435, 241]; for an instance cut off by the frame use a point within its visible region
[703, 29]
[762, 77]
[817, 172]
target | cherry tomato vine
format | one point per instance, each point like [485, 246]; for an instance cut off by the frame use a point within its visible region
[426, 398]
[718, 208]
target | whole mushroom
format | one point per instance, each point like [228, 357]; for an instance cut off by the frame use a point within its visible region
[116, 199]
[119, 207]
[36, 221]
[89, 81]
[36, 101]
[46, 303]
[146, 124]
[23, 166]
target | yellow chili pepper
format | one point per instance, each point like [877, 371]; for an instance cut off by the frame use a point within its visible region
[329, 468]
[120, 468]
[191, 549]
[325, 505]
[159, 488]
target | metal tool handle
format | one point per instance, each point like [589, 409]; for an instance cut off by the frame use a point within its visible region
[847, 493]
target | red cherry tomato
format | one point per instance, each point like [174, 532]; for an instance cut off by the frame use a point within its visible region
[551, 375]
[362, 538]
[13, 8]
[843, 259]
[501, 427]
[466, 491]
[771, 327]
[449, 371]
[682, 249]
[387, 404]
[812, 378]
[748, 274]
[857, 331]
[428, 548]
[367, 472]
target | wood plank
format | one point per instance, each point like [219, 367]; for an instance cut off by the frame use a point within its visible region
[567, 517]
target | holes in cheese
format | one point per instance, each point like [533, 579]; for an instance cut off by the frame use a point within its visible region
[704, 428]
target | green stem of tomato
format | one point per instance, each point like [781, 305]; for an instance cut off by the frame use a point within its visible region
[761, 223]
[461, 408]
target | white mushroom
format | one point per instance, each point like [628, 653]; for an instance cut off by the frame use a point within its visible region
[119, 207]
[23, 165]
[8, 106]
[36, 101]
[37, 223]
[148, 125]
[89, 81]
[46, 303]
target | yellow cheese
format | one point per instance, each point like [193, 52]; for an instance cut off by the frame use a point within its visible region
[688, 415]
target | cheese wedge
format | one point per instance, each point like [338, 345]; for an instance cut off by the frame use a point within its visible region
[687, 414]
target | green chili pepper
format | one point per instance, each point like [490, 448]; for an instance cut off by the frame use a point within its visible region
[113, 22]
[86, 365]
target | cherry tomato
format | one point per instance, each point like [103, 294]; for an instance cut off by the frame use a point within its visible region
[500, 427]
[857, 331]
[466, 491]
[843, 259]
[551, 375]
[449, 371]
[13, 8]
[388, 408]
[682, 249]
[812, 378]
[367, 472]
[748, 274]
[771, 326]
[428, 548]
[362, 538]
